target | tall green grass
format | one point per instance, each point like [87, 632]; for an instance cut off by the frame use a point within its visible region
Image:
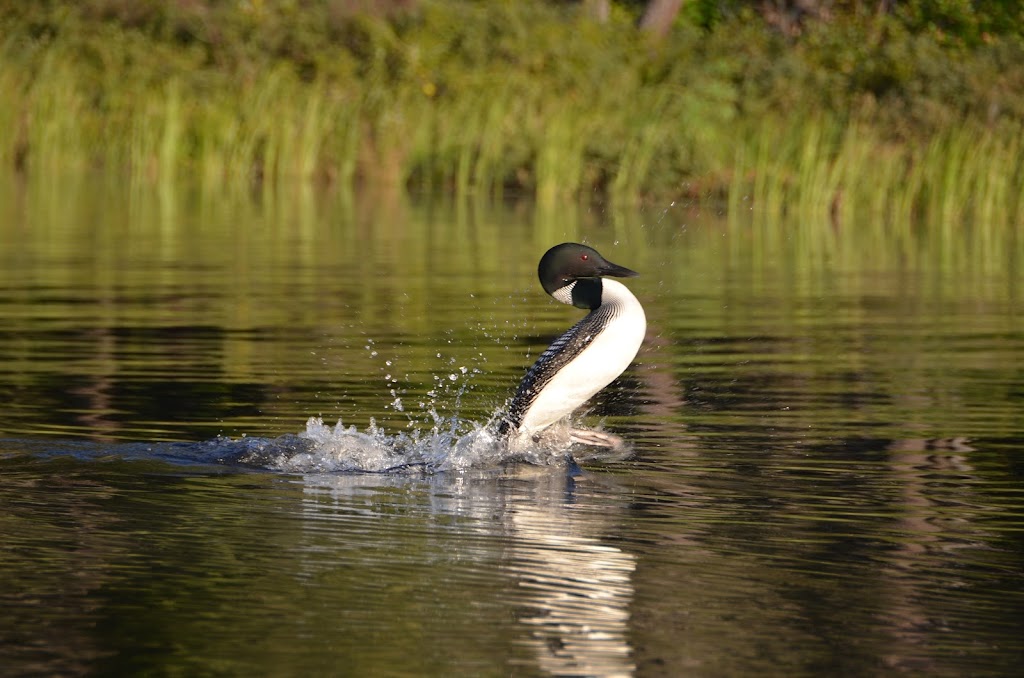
[826, 169]
[485, 98]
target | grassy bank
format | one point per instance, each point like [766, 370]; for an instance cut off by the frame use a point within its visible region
[490, 97]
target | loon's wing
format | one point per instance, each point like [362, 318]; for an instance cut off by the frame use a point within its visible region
[561, 352]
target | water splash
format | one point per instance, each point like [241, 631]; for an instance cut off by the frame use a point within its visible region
[432, 442]
[322, 448]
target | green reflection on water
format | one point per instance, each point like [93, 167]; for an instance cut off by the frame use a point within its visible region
[172, 312]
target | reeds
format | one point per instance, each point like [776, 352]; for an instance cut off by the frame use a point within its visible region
[557, 116]
[825, 169]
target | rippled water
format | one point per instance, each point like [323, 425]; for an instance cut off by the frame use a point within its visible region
[827, 469]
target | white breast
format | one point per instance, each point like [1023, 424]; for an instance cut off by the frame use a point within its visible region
[604, 359]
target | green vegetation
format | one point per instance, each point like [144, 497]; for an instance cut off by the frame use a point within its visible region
[916, 113]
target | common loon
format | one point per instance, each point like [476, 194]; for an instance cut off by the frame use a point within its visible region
[589, 356]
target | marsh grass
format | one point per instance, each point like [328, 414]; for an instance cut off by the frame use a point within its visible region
[485, 99]
[826, 169]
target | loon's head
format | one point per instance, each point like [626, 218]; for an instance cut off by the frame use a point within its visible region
[571, 273]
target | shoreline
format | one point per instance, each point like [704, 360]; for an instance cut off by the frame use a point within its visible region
[480, 98]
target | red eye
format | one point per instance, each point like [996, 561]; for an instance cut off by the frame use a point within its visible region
[583, 257]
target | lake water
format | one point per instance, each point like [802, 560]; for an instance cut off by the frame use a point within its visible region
[826, 425]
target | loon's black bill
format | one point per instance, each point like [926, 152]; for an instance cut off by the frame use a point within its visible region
[616, 271]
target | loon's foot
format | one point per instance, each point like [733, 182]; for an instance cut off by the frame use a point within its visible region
[595, 438]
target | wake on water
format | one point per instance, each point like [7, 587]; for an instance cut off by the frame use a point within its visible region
[435, 444]
[446, 445]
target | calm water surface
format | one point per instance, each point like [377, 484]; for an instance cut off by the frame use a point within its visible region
[827, 430]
